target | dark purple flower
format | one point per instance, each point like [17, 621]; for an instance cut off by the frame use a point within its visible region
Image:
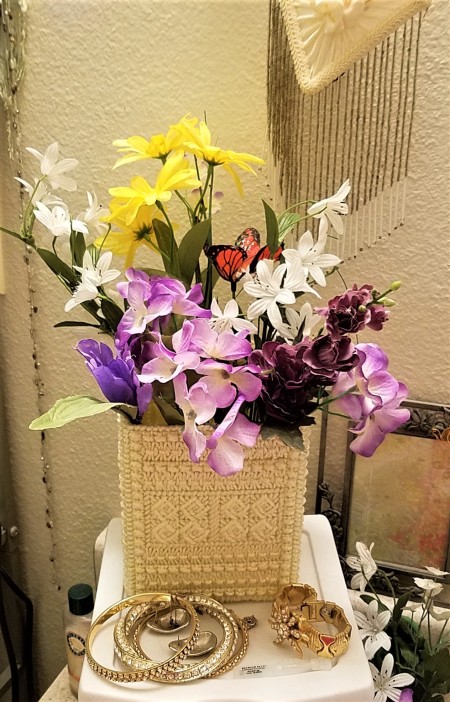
[349, 313]
[327, 357]
[289, 387]
[116, 377]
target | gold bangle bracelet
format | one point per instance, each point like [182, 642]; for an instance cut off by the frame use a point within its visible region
[293, 610]
[217, 660]
[156, 670]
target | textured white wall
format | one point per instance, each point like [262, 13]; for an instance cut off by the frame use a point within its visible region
[106, 69]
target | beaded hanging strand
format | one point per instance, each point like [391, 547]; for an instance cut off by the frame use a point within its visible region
[12, 41]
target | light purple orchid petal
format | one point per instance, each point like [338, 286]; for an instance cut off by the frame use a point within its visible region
[195, 293]
[138, 293]
[227, 455]
[231, 346]
[181, 340]
[249, 385]
[223, 392]
[351, 405]
[194, 440]
[226, 423]
[202, 402]
[161, 369]
[373, 359]
[381, 387]
[244, 431]
[227, 458]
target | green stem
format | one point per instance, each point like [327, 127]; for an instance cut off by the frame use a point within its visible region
[335, 414]
[189, 209]
[333, 399]
[299, 204]
[15, 234]
[103, 240]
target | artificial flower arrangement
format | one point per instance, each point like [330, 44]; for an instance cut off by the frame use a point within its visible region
[240, 368]
[409, 656]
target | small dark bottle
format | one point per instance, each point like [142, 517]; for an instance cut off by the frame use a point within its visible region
[77, 622]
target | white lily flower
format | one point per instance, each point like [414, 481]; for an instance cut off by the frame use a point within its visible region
[269, 290]
[333, 207]
[436, 572]
[310, 256]
[440, 614]
[39, 193]
[91, 216]
[364, 564]
[386, 685]
[431, 587]
[54, 170]
[304, 320]
[92, 277]
[371, 628]
[229, 318]
[98, 273]
[57, 220]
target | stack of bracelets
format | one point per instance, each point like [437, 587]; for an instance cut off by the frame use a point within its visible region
[294, 611]
[142, 610]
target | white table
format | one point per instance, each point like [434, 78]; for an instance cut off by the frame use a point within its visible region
[348, 680]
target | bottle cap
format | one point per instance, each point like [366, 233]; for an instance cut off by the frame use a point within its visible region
[81, 599]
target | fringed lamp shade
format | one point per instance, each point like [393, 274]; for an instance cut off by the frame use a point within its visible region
[341, 94]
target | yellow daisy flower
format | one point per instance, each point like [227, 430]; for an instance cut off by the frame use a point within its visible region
[137, 148]
[198, 142]
[131, 236]
[174, 175]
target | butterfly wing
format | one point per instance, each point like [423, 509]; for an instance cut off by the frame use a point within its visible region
[250, 241]
[228, 260]
[263, 253]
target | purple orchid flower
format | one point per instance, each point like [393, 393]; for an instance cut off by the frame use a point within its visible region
[198, 407]
[377, 408]
[166, 364]
[155, 298]
[116, 377]
[406, 695]
[224, 345]
[227, 455]
[223, 381]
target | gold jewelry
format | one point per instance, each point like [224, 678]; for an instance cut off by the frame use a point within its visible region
[151, 669]
[225, 656]
[293, 610]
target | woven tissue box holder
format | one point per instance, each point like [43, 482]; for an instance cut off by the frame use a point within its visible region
[185, 528]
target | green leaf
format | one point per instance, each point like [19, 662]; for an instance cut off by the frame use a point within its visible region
[168, 410]
[271, 228]
[113, 313]
[58, 266]
[291, 437]
[214, 277]
[167, 246]
[436, 677]
[400, 604]
[191, 247]
[69, 409]
[77, 247]
[76, 324]
[286, 222]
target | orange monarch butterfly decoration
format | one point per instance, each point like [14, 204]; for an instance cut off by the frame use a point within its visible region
[232, 262]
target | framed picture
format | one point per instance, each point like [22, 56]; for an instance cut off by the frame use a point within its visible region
[400, 497]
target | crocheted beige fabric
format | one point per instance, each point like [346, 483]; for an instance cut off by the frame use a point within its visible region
[187, 529]
[326, 37]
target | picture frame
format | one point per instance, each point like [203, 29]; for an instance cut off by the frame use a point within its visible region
[399, 499]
